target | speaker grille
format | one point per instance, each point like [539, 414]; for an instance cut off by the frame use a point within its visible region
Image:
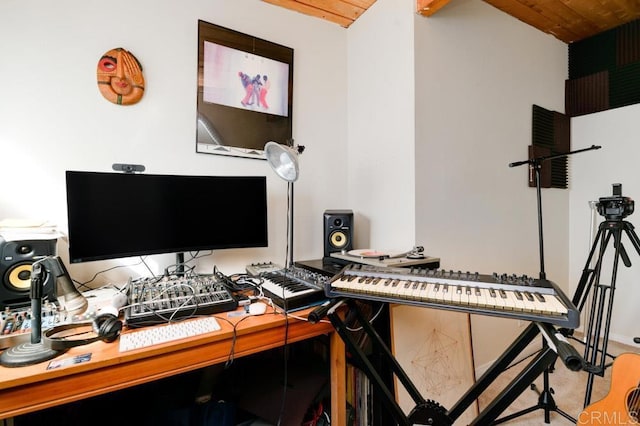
[16, 260]
[338, 231]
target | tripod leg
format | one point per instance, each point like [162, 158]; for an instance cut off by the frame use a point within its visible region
[582, 291]
[632, 236]
[597, 337]
[620, 248]
[592, 351]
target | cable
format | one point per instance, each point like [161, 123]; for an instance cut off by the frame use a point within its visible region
[231, 356]
[225, 280]
[149, 286]
[372, 320]
[84, 284]
[245, 282]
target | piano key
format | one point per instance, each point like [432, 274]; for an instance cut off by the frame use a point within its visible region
[415, 289]
[474, 294]
[507, 298]
[404, 288]
[554, 305]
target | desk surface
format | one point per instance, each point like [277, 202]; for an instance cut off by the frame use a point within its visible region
[33, 388]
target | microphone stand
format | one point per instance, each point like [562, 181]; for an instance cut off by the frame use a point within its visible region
[536, 165]
[545, 400]
[34, 351]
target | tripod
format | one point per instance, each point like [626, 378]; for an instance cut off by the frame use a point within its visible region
[595, 351]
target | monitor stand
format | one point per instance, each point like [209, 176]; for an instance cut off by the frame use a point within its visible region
[180, 264]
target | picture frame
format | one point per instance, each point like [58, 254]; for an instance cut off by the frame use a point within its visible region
[245, 93]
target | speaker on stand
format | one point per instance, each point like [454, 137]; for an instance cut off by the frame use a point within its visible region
[338, 231]
[16, 260]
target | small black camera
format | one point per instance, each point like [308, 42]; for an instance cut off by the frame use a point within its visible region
[616, 207]
[128, 168]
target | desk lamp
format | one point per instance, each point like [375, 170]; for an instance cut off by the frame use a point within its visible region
[284, 162]
[70, 299]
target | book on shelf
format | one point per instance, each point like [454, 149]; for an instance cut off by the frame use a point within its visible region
[28, 229]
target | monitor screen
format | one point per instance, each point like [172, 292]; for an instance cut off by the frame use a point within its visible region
[117, 215]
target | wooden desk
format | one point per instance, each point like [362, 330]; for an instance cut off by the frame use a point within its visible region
[33, 388]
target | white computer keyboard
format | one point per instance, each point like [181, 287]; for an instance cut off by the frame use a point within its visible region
[144, 337]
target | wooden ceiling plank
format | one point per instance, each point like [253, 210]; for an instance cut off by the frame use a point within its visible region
[625, 10]
[335, 7]
[311, 11]
[523, 12]
[531, 17]
[562, 14]
[586, 18]
[604, 14]
[365, 4]
[429, 7]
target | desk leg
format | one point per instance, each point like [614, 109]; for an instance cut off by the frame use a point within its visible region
[338, 380]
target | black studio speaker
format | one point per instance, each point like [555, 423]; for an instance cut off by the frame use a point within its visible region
[338, 231]
[16, 258]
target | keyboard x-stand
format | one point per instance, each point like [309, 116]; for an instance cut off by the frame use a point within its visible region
[426, 412]
[429, 412]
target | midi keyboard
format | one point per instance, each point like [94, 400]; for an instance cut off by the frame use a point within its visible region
[290, 288]
[511, 296]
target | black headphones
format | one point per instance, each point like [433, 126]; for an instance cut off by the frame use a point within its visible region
[107, 327]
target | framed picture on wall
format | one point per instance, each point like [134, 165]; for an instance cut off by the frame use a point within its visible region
[245, 93]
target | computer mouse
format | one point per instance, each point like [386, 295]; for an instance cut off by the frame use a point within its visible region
[257, 308]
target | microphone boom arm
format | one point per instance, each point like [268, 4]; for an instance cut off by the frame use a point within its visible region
[539, 160]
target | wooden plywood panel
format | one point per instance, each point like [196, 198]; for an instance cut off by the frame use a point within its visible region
[434, 348]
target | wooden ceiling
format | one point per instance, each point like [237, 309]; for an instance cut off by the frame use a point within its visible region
[567, 20]
[571, 20]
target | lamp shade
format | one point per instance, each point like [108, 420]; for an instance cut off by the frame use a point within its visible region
[283, 160]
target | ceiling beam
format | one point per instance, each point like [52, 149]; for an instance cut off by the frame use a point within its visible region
[429, 7]
[341, 12]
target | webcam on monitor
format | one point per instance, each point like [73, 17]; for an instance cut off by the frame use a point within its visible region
[128, 168]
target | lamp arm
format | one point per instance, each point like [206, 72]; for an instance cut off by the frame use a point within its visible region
[290, 217]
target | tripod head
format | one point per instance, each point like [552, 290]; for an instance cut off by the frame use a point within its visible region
[616, 207]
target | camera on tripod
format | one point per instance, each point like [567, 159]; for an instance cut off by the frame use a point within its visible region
[616, 207]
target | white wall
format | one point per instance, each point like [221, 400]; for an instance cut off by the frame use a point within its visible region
[53, 117]
[617, 131]
[478, 73]
[381, 175]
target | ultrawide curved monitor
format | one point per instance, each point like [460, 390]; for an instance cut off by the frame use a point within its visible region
[117, 215]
